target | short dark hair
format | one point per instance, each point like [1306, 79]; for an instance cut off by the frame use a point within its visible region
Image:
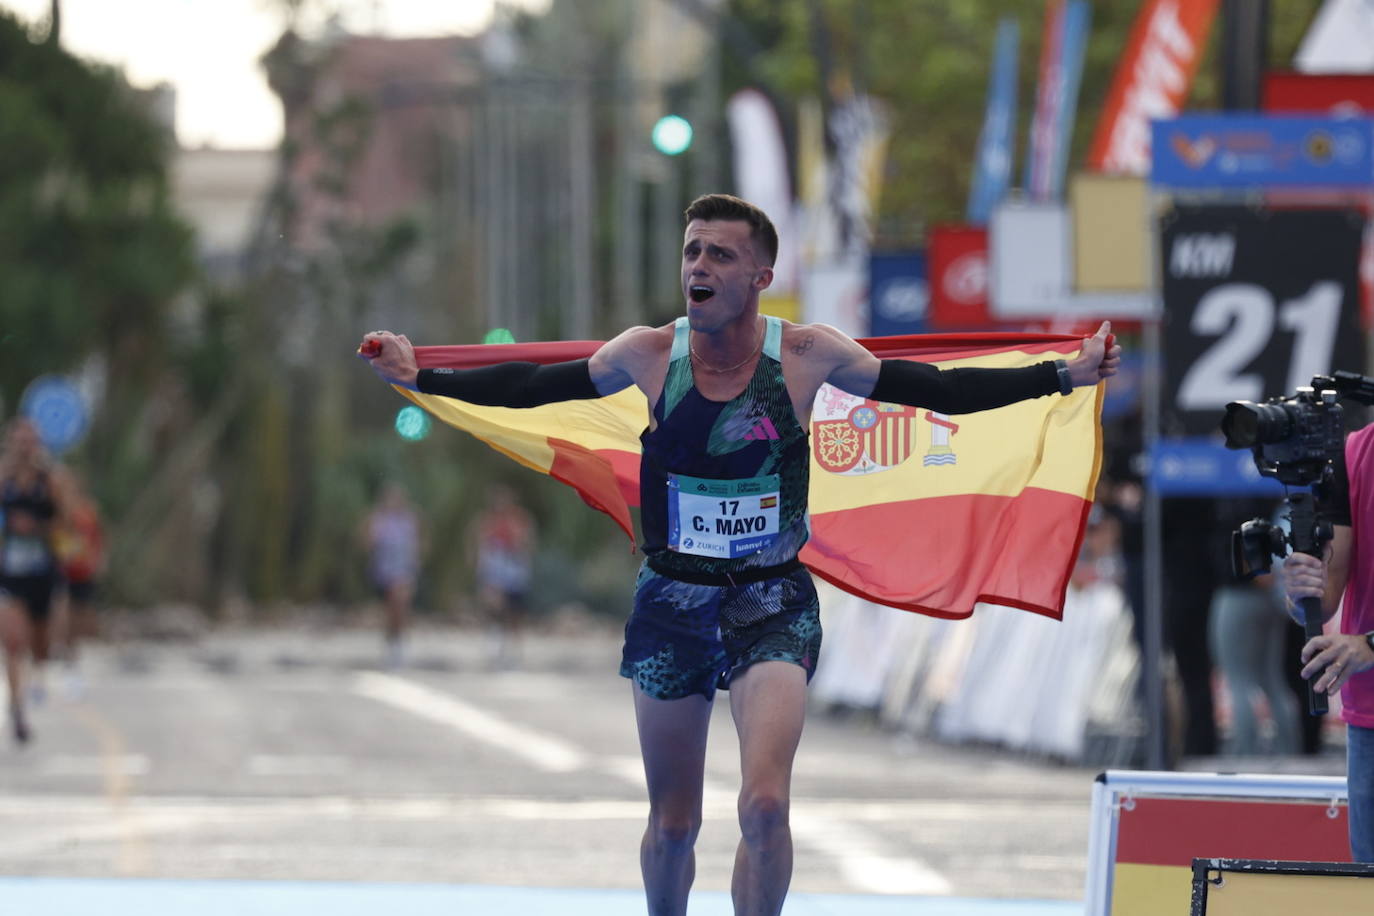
[727, 207]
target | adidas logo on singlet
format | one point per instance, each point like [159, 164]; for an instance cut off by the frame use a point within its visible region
[763, 429]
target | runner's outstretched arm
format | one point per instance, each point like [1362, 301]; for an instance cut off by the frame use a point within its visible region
[506, 384]
[965, 390]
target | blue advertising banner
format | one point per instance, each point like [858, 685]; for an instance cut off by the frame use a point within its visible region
[1254, 151]
[898, 293]
[1205, 467]
[992, 167]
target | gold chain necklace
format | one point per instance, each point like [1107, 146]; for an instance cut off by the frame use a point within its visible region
[710, 368]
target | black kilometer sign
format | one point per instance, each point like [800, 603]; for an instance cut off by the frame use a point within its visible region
[1256, 302]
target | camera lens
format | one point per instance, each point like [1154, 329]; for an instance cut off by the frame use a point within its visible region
[1247, 424]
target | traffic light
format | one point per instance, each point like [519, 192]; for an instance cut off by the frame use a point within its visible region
[672, 135]
[412, 423]
[498, 336]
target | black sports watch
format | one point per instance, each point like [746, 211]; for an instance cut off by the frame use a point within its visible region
[1065, 380]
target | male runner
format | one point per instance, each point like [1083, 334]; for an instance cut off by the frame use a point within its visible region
[722, 601]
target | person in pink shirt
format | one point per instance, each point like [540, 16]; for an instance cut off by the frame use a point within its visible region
[1344, 660]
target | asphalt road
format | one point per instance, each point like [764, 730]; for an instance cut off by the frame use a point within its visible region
[294, 755]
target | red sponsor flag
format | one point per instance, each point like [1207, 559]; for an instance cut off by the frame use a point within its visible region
[1152, 81]
[959, 277]
[909, 508]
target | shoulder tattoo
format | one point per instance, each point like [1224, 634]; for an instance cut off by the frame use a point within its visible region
[801, 346]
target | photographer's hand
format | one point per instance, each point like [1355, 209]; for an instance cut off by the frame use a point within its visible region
[1304, 576]
[1338, 656]
[1099, 358]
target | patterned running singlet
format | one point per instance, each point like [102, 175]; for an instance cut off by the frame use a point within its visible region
[723, 485]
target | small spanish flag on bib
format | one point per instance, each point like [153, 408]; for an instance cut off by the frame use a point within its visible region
[909, 508]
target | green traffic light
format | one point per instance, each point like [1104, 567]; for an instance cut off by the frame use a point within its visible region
[412, 423]
[672, 135]
[498, 336]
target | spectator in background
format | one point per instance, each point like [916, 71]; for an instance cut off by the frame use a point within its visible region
[1247, 639]
[33, 498]
[394, 541]
[504, 544]
[81, 556]
[1193, 561]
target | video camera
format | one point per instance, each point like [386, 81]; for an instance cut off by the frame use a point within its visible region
[1295, 440]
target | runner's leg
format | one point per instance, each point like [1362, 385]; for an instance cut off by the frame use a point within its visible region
[672, 740]
[15, 637]
[768, 700]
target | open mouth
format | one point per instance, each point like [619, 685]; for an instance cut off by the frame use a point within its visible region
[700, 293]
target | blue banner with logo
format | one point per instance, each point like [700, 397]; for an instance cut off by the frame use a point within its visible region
[1254, 151]
[1206, 467]
[992, 167]
[898, 293]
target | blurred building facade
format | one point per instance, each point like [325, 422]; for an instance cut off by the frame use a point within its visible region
[221, 193]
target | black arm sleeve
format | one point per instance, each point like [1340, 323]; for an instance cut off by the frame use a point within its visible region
[513, 384]
[964, 390]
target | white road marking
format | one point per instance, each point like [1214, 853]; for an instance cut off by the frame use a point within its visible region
[859, 854]
[544, 751]
[278, 765]
[829, 827]
[862, 858]
[76, 765]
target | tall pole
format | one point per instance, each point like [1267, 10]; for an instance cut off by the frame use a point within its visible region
[583, 201]
[628, 263]
[1156, 755]
[1244, 52]
[706, 117]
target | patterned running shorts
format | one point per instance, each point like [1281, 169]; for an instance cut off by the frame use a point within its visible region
[683, 639]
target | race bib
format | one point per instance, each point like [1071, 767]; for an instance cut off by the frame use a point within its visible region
[21, 556]
[722, 518]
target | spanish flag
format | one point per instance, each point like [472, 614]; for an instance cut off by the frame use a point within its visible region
[909, 508]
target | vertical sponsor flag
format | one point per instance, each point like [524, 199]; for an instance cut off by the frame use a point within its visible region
[1152, 81]
[1077, 22]
[763, 176]
[1061, 66]
[993, 165]
[910, 508]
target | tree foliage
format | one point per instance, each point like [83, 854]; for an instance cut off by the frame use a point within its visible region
[91, 253]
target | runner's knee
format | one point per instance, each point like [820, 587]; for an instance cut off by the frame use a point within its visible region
[762, 815]
[674, 830]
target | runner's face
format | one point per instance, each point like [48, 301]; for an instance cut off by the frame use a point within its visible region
[721, 272]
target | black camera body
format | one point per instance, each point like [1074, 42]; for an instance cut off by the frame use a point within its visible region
[1294, 439]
